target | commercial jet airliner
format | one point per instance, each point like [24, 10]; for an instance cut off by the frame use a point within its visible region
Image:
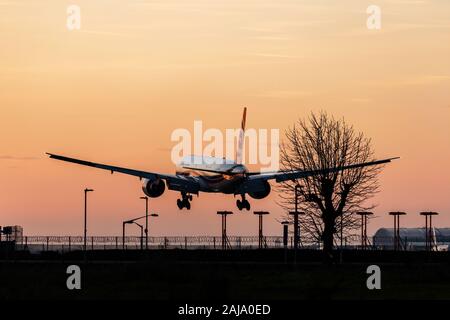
[214, 175]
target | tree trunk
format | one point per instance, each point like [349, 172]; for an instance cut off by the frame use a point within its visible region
[327, 238]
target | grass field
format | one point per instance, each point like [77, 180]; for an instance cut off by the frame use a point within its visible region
[204, 276]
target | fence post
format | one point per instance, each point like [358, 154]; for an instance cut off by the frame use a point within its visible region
[47, 243]
[92, 243]
[70, 244]
[185, 243]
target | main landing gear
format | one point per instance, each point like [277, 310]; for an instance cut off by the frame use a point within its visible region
[184, 202]
[241, 204]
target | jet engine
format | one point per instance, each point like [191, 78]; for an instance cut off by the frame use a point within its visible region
[153, 188]
[262, 192]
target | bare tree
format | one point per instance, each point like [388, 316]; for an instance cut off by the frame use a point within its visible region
[323, 142]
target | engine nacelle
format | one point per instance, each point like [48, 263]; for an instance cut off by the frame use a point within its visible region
[153, 188]
[262, 192]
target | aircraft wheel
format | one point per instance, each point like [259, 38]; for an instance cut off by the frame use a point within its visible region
[239, 204]
[180, 204]
[188, 205]
[190, 197]
[247, 205]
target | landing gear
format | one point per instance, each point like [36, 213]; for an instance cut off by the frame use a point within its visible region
[184, 202]
[241, 204]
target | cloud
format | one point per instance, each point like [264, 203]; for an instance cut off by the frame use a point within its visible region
[10, 3]
[107, 33]
[417, 80]
[408, 2]
[360, 100]
[422, 80]
[9, 157]
[274, 55]
[283, 94]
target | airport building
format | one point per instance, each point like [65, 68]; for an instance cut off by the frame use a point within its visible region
[11, 233]
[413, 238]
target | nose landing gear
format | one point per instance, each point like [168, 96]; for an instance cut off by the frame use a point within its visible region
[241, 204]
[184, 202]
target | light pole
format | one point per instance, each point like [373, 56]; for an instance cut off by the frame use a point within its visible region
[146, 221]
[397, 240]
[224, 214]
[296, 213]
[285, 238]
[85, 217]
[260, 227]
[152, 215]
[364, 238]
[296, 221]
[134, 221]
[142, 233]
[342, 231]
[123, 235]
[428, 229]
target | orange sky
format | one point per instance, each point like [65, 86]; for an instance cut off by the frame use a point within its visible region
[113, 92]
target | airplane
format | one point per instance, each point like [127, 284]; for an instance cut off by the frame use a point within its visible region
[197, 174]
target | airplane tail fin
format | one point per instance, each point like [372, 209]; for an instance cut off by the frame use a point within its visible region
[240, 146]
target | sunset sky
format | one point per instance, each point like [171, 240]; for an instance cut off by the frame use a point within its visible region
[113, 92]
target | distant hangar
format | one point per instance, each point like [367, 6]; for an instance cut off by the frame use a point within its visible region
[413, 238]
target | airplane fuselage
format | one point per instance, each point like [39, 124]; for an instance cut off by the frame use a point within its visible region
[212, 181]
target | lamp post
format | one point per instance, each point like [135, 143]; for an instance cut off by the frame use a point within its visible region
[364, 228]
[296, 222]
[428, 229]
[134, 221]
[146, 221]
[85, 217]
[142, 234]
[224, 214]
[260, 215]
[154, 215]
[397, 240]
[285, 238]
[123, 235]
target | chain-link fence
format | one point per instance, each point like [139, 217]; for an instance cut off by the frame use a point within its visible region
[71, 243]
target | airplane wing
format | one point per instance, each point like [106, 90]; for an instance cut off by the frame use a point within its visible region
[175, 182]
[297, 174]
